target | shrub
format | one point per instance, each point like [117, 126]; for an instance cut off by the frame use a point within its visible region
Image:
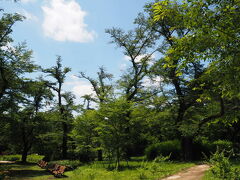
[222, 168]
[10, 157]
[164, 149]
[202, 148]
[34, 158]
[223, 145]
[85, 154]
[207, 148]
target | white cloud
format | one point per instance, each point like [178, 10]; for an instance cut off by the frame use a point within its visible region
[8, 46]
[79, 87]
[140, 57]
[64, 21]
[155, 82]
[123, 67]
[28, 15]
[82, 88]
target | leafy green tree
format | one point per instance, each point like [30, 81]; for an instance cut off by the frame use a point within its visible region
[113, 121]
[24, 121]
[85, 135]
[104, 91]
[48, 141]
[194, 38]
[59, 74]
[87, 99]
[29, 118]
[14, 61]
[135, 44]
[180, 80]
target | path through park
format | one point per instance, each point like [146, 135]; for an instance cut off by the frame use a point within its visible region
[193, 173]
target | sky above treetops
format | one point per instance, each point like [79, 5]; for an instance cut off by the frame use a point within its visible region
[75, 30]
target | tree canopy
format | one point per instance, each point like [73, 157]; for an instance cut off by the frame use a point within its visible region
[181, 87]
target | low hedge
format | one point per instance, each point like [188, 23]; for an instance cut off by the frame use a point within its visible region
[33, 158]
[164, 149]
[200, 148]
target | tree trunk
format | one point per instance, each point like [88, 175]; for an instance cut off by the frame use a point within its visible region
[118, 159]
[4, 82]
[24, 154]
[187, 148]
[64, 140]
[100, 158]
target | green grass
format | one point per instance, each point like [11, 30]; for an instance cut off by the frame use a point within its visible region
[24, 171]
[133, 170]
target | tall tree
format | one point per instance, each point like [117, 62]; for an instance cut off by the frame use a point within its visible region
[104, 91]
[138, 46]
[113, 122]
[101, 88]
[195, 36]
[37, 93]
[180, 70]
[135, 44]
[14, 61]
[59, 74]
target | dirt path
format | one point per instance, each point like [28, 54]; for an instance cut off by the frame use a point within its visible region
[7, 162]
[193, 173]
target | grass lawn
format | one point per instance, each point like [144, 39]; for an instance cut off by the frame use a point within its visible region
[24, 171]
[135, 169]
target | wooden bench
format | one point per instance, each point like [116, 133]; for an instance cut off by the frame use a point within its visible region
[59, 171]
[39, 163]
[55, 169]
[42, 164]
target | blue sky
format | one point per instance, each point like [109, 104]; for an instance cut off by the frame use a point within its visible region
[75, 30]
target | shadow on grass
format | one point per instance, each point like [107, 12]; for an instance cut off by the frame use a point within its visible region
[27, 173]
[27, 170]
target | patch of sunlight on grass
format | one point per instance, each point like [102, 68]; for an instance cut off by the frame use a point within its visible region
[134, 170]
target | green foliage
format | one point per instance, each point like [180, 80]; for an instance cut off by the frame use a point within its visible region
[32, 158]
[223, 146]
[204, 148]
[10, 157]
[166, 148]
[222, 167]
[85, 135]
[198, 45]
[58, 72]
[113, 127]
[102, 86]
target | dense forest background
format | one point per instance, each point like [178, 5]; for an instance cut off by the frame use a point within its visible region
[183, 104]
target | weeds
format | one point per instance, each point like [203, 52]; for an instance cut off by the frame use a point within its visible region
[222, 167]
